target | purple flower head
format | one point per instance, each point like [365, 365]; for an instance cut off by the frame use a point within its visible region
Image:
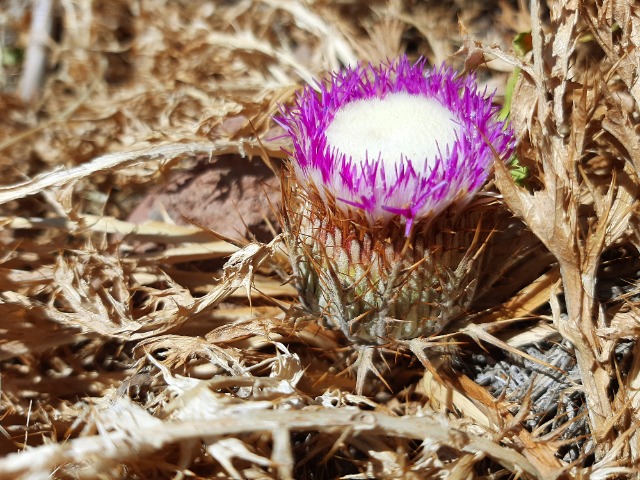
[396, 139]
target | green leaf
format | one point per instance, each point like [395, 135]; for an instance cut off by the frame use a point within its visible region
[522, 44]
[12, 57]
[519, 173]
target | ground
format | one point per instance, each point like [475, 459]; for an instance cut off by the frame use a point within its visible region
[150, 323]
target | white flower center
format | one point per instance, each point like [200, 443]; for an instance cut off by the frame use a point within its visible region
[398, 127]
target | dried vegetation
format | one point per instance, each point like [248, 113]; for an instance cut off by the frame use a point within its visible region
[142, 344]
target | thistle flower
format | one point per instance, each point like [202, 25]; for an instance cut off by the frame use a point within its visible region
[385, 159]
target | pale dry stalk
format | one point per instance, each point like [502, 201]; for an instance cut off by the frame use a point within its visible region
[556, 133]
[605, 20]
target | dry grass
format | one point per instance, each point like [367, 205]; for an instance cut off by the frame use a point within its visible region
[161, 349]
